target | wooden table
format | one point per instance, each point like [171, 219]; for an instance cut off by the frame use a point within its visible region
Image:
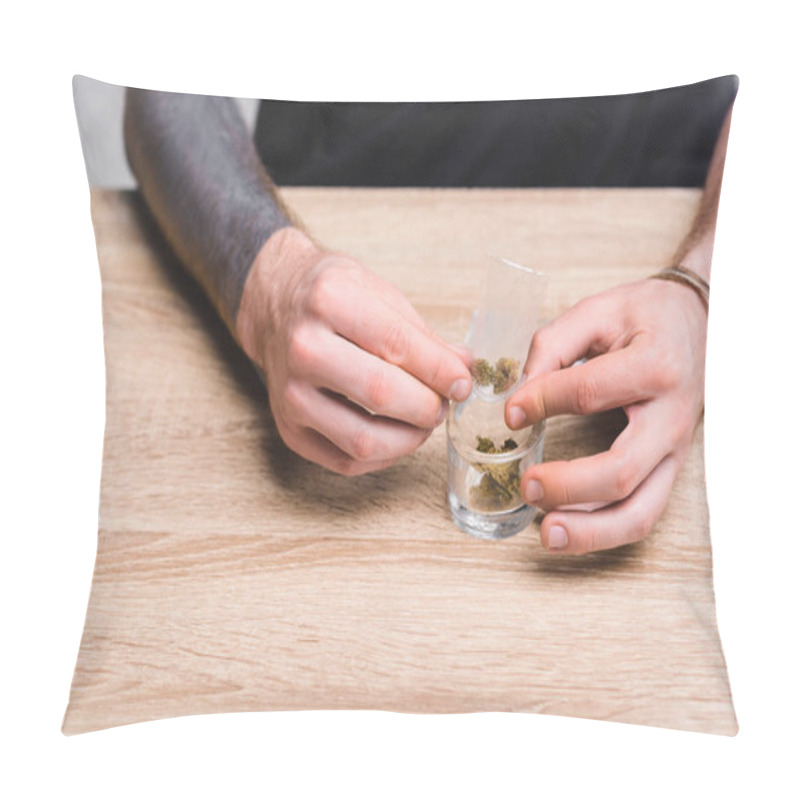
[232, 575]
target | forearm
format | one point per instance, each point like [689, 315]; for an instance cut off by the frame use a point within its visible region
[697, 248]
[201, 177]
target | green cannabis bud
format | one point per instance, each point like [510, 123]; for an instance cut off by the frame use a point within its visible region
[506, 371]
[503, 375]
[482, 372]
[485, 445]
[499, 484]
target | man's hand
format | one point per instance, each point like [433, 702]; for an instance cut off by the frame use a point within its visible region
[645, 346]
[355, 377]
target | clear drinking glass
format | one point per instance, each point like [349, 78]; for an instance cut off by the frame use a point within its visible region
[485, 458]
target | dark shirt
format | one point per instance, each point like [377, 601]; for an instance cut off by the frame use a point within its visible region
[657, 138]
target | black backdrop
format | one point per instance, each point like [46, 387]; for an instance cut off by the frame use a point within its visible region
[658, 138]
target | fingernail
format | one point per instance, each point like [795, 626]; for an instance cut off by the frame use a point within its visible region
[533, 492]
[557, 538]
[459, 390]
[442, 412]
[516, 417]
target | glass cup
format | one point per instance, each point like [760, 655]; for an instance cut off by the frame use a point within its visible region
[485, 458]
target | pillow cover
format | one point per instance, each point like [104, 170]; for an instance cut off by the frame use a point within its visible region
[232, 575]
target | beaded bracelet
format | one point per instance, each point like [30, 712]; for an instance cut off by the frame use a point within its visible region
[687, 277]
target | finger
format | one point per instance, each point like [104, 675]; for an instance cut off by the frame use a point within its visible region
[579, 331]
[609, 381]
[463, 352]
[609, 476]
[331, 362]
[314, 447]
[362, 436]
[577, 532]
[377, 327]
[390, 294]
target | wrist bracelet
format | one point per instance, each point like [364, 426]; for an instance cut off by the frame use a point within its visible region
[687, 277]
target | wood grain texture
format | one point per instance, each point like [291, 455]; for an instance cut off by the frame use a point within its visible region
[231, 575]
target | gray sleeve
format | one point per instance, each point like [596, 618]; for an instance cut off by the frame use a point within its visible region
[202, 179]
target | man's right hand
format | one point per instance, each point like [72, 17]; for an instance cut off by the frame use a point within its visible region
[355, 377]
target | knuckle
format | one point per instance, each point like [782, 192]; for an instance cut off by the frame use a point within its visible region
[626, 477]
[344, 465]
[323, 292]
[363, 445]
[544, 334]
[290, 435]
[541, 345]
[565, 493]
[586, 396]
[293, 399]
[532, 398]
[379, 391]
[396, 343]
[351, 468]
[540, 340]
[556, 485]
[438, 373]
[303, 346]
[292, 417]
[539, 405]
[592, 543]
[429, 411]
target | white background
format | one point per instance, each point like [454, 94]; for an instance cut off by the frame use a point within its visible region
[52, 404]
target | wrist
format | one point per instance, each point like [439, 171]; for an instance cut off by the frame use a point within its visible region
[275, 270]
[688, 278]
